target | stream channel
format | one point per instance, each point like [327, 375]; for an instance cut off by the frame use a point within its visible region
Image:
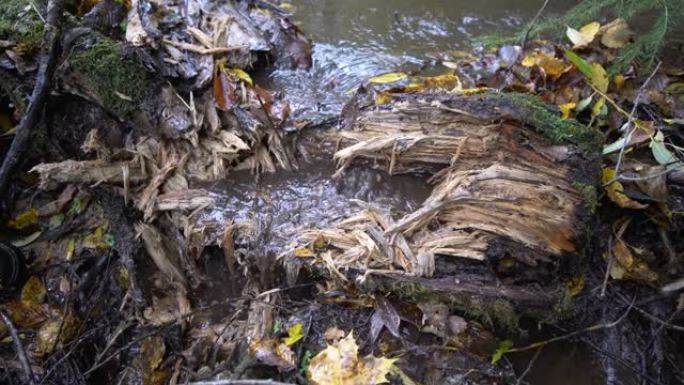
[354, 40]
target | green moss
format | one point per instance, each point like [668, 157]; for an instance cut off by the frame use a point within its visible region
[497, 314]
[111, 77]
[493, 314]
[20, 23]
[409, 291]
[564, 307]
[589, 196]
[531, 110]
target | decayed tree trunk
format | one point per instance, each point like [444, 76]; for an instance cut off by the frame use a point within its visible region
[513, 187]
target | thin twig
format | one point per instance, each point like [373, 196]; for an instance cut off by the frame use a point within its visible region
[529, 366]
[21, 352]
[141, 337]
[591, 328]
[48, 63]
[609, 267]
[33, 5]
[531, 24]
[655, 319]
[630, 119]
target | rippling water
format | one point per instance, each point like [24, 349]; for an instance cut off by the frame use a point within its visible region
[357, 39]
[281, 204]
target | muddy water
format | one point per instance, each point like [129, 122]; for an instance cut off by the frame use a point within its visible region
[354, 40]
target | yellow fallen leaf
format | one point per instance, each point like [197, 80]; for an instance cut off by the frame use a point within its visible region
[240, 74]
[383, 97]
[575, 285]
[599, 77]
[152, 351]
[616, 34]
[388, 78]
[551, 65]
[33, 293]
[566, 109]
[304, 252]
[597, 109]
[70, 249]
[413, 88]
[294, 334]
[474, 90]
[96, 240]
[24, 220]
[339, 364]
[287, 7]
[616, 191]
[584, 36]
[619, 81]
[446, 82]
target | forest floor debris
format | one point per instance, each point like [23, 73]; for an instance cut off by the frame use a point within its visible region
[133, 278]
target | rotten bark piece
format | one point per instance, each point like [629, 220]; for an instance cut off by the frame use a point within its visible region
[147, 200]
[184, 200]
[88, 171]
[164, 255]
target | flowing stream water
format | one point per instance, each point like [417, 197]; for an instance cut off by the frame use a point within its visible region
[354, 40]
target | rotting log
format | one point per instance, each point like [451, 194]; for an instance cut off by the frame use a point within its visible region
[505, 224]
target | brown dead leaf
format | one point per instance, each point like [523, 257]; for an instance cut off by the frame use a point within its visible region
[629, 266]
[272, 352]
[387, 315]
[616, 192]
[224, 89]
[25, 317]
